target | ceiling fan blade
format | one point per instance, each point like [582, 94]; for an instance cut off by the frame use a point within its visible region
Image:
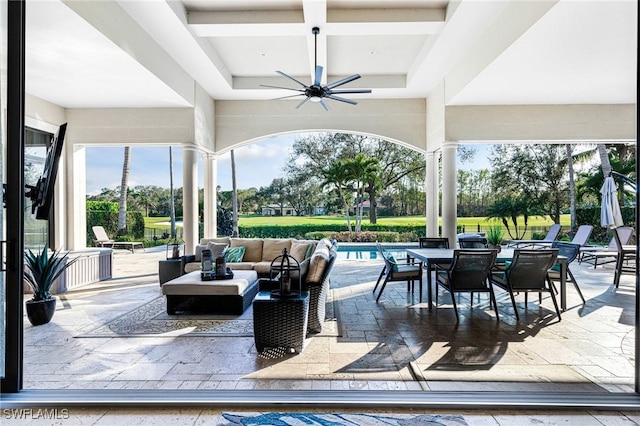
[338, 98]
[304, 101]
[342, 91]
[318, 78]
[324, 105]
[291, 78]
[343, 81]
[279, 87]
[286, 97]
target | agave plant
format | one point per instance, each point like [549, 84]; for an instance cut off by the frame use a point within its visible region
[43, 269]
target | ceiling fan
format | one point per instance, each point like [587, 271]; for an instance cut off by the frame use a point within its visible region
[316, 92]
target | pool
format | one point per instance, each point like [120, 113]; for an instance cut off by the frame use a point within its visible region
[368, 252]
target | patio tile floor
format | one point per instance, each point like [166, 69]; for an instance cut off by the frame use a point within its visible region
[397, 344]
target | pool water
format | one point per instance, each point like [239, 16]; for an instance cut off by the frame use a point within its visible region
[367, 253]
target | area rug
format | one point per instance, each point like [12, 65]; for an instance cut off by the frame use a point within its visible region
[152, 320]
[352, 419]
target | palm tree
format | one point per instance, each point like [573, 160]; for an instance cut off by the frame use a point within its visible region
[338, 177]
[362, 170]
[122, 204]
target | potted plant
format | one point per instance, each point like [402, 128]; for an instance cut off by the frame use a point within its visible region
[495, 234]
[41, 272]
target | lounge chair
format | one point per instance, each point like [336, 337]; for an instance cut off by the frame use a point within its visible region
[600, 255]
[580, 238]
[554, 230]
[103, 240]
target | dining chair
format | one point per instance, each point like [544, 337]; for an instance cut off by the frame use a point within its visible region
[528, 272]
[473, 242]
[434, 242]
[395, 271]
[469, 273]
[570, 251]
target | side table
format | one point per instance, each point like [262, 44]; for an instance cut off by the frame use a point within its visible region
[280, 322]
[168, 270]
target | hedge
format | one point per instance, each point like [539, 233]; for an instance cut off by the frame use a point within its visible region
[108, 219]
[591, 216]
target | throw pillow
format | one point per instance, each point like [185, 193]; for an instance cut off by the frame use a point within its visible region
[216, 248]
[299, 250]
[198, 251]
[310, 249]
[391, 259]
[235, 254]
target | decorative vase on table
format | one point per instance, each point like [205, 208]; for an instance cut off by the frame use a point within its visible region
[41, 272]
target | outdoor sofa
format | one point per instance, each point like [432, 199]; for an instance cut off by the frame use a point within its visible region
[316, 261]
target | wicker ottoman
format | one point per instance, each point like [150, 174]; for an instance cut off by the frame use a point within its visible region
[280, 322]
[189, 293]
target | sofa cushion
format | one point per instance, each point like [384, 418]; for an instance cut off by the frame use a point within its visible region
[235, 254]
[242, 266]
[318, 264]
[192, 266]
[198, 251]
[216, 248]
[253, 248]
[221, 240]
[299, 250]
[272, 248]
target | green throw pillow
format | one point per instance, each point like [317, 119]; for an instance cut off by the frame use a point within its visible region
[392, 259]
[235, 254]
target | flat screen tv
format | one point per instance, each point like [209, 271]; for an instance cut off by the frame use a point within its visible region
[41, 195]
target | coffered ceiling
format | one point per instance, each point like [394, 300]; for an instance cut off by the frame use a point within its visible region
[150, 53]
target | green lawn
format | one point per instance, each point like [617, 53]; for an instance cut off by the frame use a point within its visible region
[155, 222]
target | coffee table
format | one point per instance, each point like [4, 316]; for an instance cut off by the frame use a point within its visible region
[190, 293]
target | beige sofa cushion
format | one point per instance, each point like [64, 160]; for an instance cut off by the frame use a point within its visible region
[272, 248]
[221, 240]
[253, 246]
[241, 266]
[299, 250]
[318, 263]
[192, 266]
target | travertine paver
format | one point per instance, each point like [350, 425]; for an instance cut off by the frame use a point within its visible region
[397, 344]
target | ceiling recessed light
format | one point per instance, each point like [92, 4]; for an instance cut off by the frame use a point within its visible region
[372, 53]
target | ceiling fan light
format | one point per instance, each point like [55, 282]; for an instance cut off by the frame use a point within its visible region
[315, 98]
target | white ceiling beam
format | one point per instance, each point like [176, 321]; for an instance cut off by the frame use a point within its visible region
[166, 22]
[115, 24]
[315, 15]
[516, 19]
[372, 82]
[246, 23]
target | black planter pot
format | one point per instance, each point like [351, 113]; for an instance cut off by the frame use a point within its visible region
[40, 312]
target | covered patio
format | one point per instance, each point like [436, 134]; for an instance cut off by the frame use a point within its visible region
[189, 73]
[394, 345]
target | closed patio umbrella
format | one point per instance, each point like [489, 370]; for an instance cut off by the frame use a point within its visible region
[610, 215]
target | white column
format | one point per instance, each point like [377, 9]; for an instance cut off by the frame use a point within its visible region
[75, 212]
[210, 196]
[190, 198]
[431, 193]
[449, 189]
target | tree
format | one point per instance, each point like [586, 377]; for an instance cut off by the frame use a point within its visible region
[362, 171]
[316, 152]
[337, 176]
[122, 209]
[533, 172]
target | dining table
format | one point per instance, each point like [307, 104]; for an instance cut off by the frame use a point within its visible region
[433, 256]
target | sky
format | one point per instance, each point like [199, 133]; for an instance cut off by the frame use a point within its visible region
[257, 164]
